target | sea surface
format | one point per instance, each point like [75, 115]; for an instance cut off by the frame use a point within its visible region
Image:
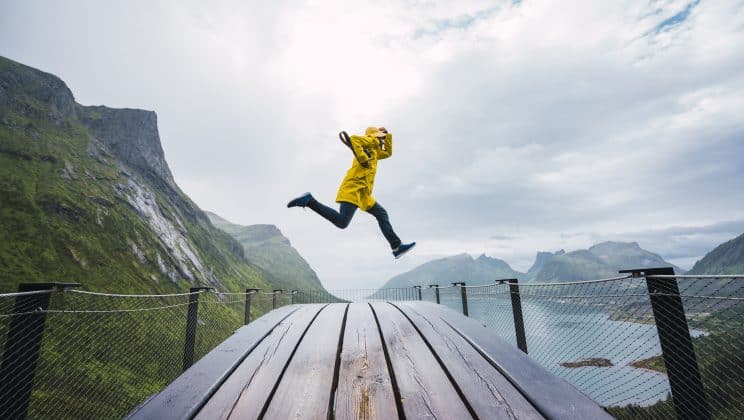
[559, 332]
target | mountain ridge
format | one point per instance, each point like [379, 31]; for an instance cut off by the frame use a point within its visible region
[86, 195]
[265, 246]
[601, 260]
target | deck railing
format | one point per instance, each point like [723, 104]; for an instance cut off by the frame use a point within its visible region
[647, 343]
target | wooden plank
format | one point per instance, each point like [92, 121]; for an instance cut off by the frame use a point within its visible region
[485, 388]
[305, 388]
[251, 383]
[425, 390]
[191, 390]
[364, 388]
[552, 396]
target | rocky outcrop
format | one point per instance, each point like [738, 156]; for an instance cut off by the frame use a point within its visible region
[131, 135]
[540, 260]
[19, 83]
[114, 216]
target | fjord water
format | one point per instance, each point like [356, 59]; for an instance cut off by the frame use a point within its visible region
[559, 332]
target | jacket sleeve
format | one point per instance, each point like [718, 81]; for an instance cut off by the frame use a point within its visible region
[358, 143]
[386, 151]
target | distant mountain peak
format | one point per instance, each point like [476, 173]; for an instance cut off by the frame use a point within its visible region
[266, 246]
[460, 267]
[541, 258]
[614, 245]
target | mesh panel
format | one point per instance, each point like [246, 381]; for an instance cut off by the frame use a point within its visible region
[102, 355]
[492, 306]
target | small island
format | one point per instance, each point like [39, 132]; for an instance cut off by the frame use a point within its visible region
[592, 361]
[655, 364]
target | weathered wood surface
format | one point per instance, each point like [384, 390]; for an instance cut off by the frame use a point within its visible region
[551, 395]
[190, 391]
[425, 390]
[484, 388]
[365, 361]
[304, 391]
[364, 387]
[250, 385]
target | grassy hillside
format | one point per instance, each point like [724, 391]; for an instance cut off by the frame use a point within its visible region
[71, 210]
[86, 196]
[267, 248]
[727, 258]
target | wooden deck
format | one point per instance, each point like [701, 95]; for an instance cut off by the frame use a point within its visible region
[365, 361]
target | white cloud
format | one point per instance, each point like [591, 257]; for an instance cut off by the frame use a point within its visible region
[555, 123]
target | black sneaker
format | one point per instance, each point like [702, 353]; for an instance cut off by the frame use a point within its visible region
[301, 201]
[402, 249]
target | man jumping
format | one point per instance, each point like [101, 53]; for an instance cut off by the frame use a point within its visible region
[356, 188]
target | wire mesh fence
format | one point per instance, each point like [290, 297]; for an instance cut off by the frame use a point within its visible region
[100, 355]
[604, 337]
[636, 345]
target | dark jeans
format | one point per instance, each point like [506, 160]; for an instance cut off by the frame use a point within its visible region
[342, 218]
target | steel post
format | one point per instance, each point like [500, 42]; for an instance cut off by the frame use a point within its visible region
[464, 296]
[23, 347]
[191, 320]
[688, 394]
[436, 291]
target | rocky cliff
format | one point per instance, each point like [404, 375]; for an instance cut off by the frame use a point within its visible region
[131, 135]
[86, 195]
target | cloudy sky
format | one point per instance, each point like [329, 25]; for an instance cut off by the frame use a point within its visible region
[519, 125]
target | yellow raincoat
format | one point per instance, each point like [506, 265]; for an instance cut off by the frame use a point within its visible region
[356, 188]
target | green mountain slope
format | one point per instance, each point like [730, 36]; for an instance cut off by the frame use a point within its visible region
[267, 248]
[463, 267]
[727, 258]
[86, 196]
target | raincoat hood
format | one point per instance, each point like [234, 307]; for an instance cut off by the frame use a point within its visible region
[374, 132]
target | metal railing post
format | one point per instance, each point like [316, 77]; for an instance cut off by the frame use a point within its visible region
[463, 295]
[516, 302]
[688, 394]
[191, 319]
[418, 289]
[273, 298]
[294, 293]
[23, 347]
[248, 293]
[436, 291]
